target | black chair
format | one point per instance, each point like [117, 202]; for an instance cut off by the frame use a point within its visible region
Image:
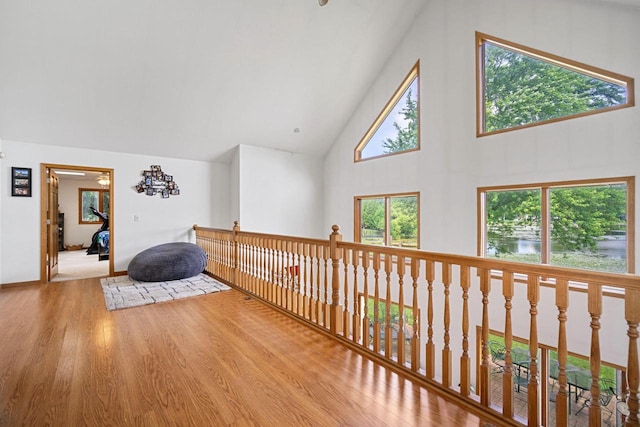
[497, 352]
[607, 394]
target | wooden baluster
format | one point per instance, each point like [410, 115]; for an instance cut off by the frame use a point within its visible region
[291, 274]
[465, 361]
[388, 332]
[366, 321]
[251, 267]
[278, 297]
[357, 331]
[594, 302]
[286, 273]
[446, 351]
[401, 335]
[346, 327]
[269, 268]
[275, 265]
[326, 306]
[533, 291]
[562, 396]
[298, 280]
[306, 300]
[335, 311]
[284, 265]
[507, 377]
[318, 301]
[265, 267]
[485, 368]
[312, 302]
[415, 337]
[632, 314]
[376, 302]
[430, 346]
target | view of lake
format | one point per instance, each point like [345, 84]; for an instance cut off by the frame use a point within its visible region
[614, 247]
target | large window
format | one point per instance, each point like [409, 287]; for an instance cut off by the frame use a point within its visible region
[577, 224]
[396, 129]
[390, 219]
[96, 198]
[521, 87]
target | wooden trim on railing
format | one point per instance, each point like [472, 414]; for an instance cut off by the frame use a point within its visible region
[313, 280]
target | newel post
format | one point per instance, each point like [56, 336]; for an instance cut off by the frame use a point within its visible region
[236, 253]
[336, 255]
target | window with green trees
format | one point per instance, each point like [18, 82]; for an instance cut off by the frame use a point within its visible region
[92, 197]
[396, 129]
[577, 224]
[387, 220]
[522, 87]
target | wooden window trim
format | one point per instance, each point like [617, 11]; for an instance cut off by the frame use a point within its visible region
[414, 73]
[545, 187]
[572, 65]
[100, 207]
[387, 217]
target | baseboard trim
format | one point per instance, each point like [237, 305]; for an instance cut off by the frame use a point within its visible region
[17, 284]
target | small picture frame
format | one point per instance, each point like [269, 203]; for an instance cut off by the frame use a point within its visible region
[21, 182]
[150, 191]
[165, 194]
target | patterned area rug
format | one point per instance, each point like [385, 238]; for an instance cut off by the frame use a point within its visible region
[124, 292]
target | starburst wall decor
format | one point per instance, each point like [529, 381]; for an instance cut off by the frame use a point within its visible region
[155, 181]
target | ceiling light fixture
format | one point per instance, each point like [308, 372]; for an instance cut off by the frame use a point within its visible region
[104, 180]
[322, 2]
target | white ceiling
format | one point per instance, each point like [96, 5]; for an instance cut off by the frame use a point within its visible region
[192, 78]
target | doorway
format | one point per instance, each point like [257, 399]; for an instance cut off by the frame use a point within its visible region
[69, 236]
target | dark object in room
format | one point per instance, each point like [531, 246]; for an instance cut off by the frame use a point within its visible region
[95, 247]
[168, 261]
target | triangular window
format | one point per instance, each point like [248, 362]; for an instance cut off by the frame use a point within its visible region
[521, 87]
[396, 129]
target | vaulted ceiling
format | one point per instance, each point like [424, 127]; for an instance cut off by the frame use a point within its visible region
[192, 78]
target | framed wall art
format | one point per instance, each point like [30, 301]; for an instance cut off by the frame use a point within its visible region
[154, 181]
[21, 182]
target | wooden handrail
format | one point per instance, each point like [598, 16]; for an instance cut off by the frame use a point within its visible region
[371, 296]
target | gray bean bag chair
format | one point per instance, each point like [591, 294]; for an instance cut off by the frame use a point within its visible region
[169, 261]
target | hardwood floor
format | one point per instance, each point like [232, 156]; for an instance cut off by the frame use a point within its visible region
[218, 359]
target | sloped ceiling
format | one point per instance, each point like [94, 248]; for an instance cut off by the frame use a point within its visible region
[192, 78]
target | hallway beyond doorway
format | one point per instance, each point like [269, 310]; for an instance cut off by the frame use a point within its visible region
[78, 265]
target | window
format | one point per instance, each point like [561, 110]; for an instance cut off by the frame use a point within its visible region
[396, 129]
[96, 198]
[577, 224]
[578, 378]
[521, 87]
[378, 321]
[388, 220]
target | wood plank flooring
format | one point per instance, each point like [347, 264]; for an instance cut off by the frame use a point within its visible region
[216, 360]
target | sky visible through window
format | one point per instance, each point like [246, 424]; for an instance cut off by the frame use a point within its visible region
[386, 129]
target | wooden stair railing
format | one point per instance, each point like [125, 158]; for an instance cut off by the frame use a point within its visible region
[348, 289]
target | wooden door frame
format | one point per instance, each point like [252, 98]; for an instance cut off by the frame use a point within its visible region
[43, 212]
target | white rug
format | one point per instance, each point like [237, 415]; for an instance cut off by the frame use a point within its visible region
[124, 292]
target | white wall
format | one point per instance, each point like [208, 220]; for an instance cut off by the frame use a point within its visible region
[160, 220]
[452, 162]
[280, 192]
